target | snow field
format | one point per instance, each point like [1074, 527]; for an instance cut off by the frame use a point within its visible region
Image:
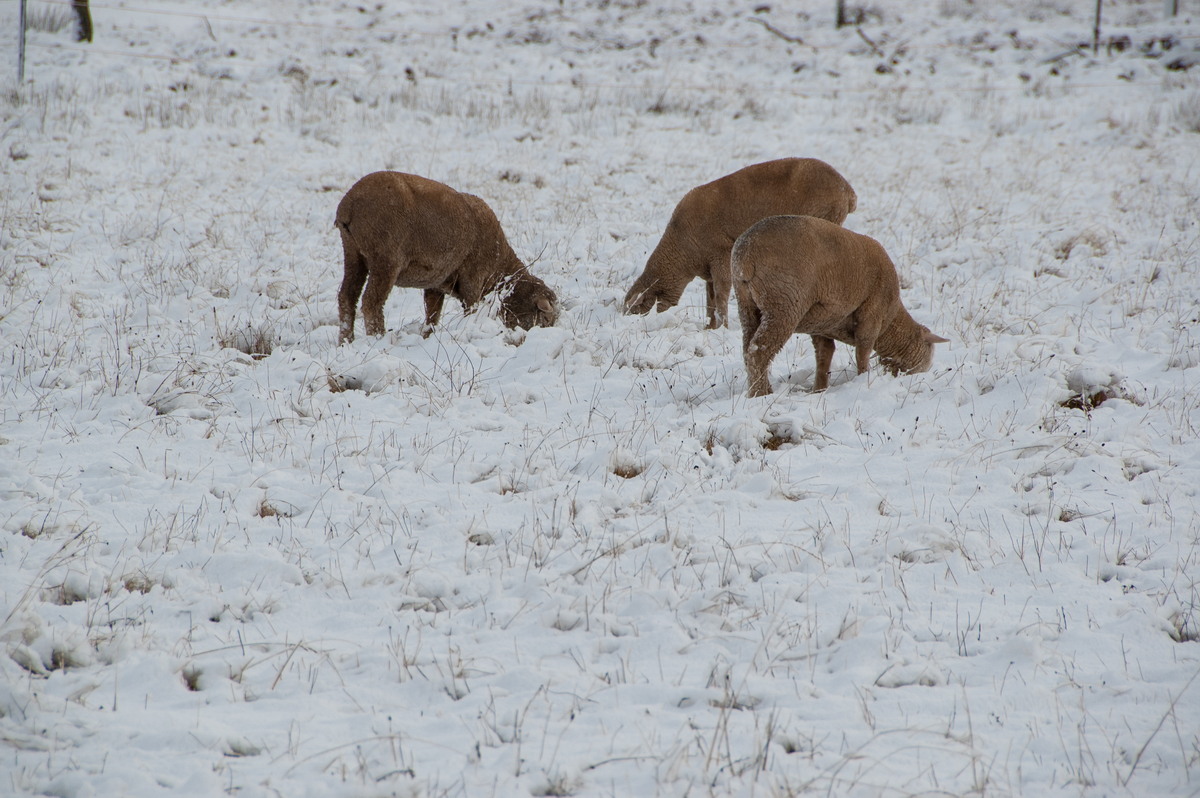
[578, 561]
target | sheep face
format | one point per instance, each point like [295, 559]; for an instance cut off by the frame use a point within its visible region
[639, 302]
[916, 357]
[647, 295]
[642, 302]
[530, 303]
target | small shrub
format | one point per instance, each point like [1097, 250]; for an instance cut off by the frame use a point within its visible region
[627, 470]
[778, 434]
[1093, 239]
[1086, 401]
[1187, 113]
[49, 19]
[255, 341]
[1185, 627]
[138, 583]
[191, 678]
[558, 785]
[949, 9]
[773, 442]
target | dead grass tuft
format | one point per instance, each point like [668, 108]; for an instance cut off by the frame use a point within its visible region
[1087, 401]
[627, 470]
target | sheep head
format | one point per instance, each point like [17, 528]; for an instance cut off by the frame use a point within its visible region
[529, 303]
[910, 353]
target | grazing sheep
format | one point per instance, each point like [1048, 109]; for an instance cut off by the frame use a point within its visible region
[797, 274]
[710, 217]
[405, 230]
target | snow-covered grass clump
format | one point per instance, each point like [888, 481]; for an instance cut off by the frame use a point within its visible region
[237, 557]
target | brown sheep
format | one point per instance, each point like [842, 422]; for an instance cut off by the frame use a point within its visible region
[710, 217]
[798, 274]
[405, 230]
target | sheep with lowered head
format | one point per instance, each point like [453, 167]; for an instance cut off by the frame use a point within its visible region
[710, 217]
[405, 230]
[798, 274]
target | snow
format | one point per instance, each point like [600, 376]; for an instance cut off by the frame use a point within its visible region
[239, 558]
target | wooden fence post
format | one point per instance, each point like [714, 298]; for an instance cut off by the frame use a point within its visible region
[21, 45]
[85, 19]
[1096, 29]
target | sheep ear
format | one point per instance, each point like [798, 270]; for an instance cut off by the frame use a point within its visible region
[931, 337]
[545, 305]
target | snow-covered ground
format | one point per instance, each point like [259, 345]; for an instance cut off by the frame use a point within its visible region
[239, 558]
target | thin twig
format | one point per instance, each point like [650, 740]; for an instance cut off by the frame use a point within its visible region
[1062, 55]
[1153, 734]
[786, 37]
[874, 47]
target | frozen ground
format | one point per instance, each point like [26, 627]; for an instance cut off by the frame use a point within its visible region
[238, 558]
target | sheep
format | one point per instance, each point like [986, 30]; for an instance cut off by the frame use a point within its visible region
[405, 230]
[710, 217]
[798, 274]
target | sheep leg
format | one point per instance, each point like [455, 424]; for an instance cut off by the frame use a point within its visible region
[434, 300]
[353, 279]
[751, 317]
[718, 298]
[379, 284]
[867, 329]
[862, 356]
[769, 337]
[824, 350]
[470, 283]
[868, 326]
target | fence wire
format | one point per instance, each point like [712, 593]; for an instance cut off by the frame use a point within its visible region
[452, 33]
